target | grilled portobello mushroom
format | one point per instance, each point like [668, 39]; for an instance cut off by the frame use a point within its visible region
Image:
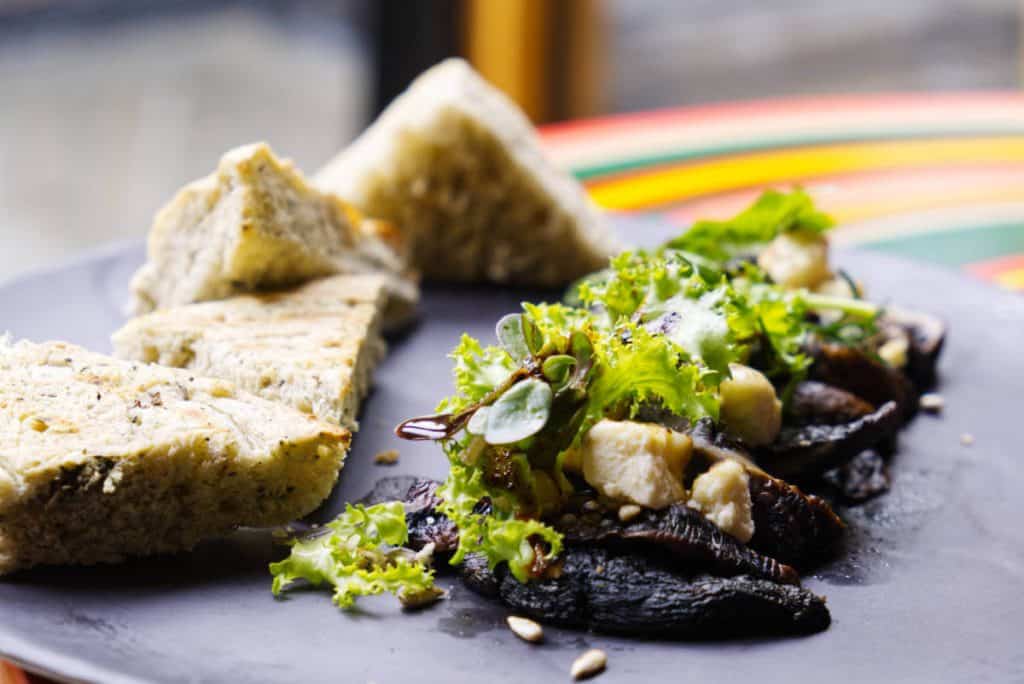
[817, 403]
[666, 574]
[789, 525]
[641, 595]
[856, 372]
[926, 334]
[807, 451]
[681, 532]
[863, 477]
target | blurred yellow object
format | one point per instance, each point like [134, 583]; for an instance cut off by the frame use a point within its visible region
[688, 179]
[545, 55]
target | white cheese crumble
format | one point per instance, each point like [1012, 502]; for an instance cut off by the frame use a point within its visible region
[636, 463]
[796, 260]
[749, 408]
[722, 494]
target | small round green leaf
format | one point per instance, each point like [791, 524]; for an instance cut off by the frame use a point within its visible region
[556, 368]
[533, 336]
[477, 424]
[581, 348]
[519, 413]
[510, 334]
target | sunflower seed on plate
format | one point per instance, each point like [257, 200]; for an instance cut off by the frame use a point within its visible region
[525, 629]
[421, 598]
[589, 664]
[967, 439]
[629, 511]
[389, 457]
[931, 402]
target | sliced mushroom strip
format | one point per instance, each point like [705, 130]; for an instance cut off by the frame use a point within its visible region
[789, 525]
[863, 477]
[808, 451]
[636, 595]
[856, 372]
[684, 534]
[426, 524]
[419, 496]
[678, 531]
[815, 403]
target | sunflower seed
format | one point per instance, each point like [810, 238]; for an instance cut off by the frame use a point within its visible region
[629, 511]
[931, 402]
[421, 598]
[525, 629]
[389, 457]
[967, 439]
[589, 664]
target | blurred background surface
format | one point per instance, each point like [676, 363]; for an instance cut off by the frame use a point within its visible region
[109, 106]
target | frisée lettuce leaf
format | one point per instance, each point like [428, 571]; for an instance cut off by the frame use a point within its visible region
[494, 531]
[646, 369]
[359, 554]
[773, 213]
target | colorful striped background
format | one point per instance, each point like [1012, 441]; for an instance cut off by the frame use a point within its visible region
[938, 177]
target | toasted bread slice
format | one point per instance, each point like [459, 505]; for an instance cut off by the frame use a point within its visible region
[101, 459]
[313, 347]
[255, 224]
[459, 169]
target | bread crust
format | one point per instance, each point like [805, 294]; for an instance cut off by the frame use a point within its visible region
[456, 166]
[102, 459]
[313, 347]
[255, 224]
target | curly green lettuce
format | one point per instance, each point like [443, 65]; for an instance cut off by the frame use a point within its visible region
[360, 554]
[478, 370]
[638, 280]
[773, 213]
[495, 532]
[646, 369]
[667, 294]
[556, 323]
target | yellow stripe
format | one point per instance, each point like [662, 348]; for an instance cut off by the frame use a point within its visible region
[672, 184]
[1013, 280]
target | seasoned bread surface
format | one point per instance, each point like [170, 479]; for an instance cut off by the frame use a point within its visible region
[313, 347]
[456, 166]
[101, 459]
[255, 224]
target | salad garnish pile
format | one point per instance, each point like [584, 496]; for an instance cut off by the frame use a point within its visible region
[659, 330]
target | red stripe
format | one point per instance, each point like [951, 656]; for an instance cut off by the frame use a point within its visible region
[991, 268]
[791, 105]
[843, 187]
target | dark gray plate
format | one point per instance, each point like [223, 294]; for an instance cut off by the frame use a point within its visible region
[932, 588]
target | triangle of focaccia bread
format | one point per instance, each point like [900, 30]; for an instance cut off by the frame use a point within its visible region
[459, 169]
[101, 459]
[255, 224]
[313, 347]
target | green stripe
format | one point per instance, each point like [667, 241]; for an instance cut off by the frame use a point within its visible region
[957, 247]
[585, 173]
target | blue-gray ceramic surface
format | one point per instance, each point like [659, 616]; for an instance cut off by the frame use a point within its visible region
[930, 589]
